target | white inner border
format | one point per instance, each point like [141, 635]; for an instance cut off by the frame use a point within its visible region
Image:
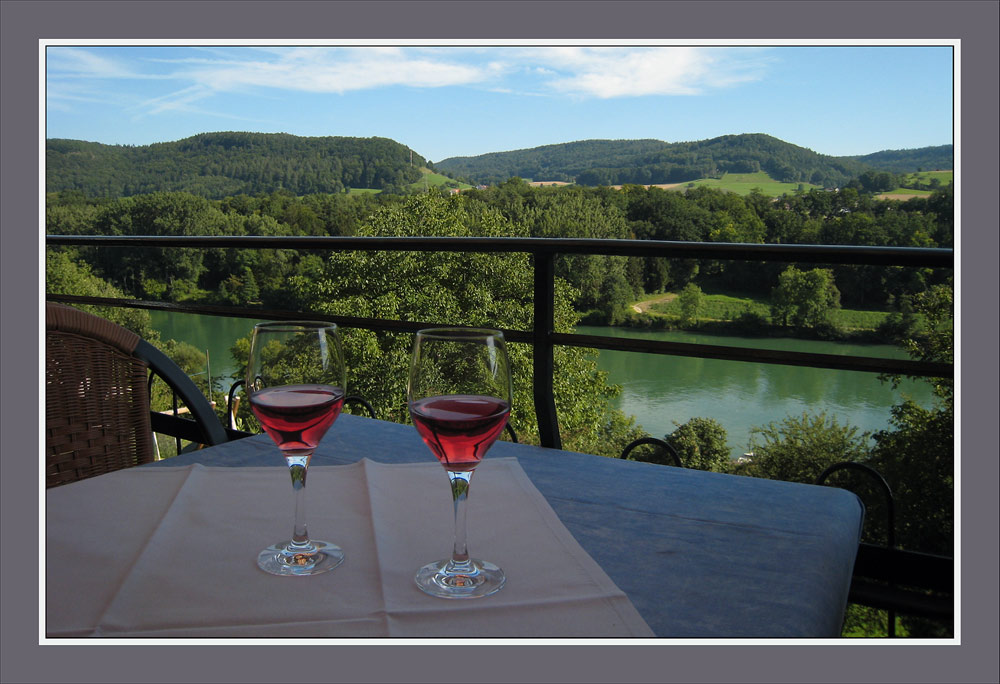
[452, 42]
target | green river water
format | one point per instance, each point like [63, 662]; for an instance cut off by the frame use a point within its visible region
[662, 391]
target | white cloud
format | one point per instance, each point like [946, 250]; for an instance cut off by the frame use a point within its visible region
[179, 100]
[584, 72]
[320, 70]
[607, 72]
[82, 63]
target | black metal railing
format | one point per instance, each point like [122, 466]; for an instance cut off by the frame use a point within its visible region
[542, 335]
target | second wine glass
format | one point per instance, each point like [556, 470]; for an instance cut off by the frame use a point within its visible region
[459, 395]
[296, 382]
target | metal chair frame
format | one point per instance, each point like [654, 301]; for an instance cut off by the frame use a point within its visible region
[894, 579]
[663, 444]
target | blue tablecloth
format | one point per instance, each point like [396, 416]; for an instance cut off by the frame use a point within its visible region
[700, 555]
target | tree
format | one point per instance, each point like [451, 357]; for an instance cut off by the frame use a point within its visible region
[701, 444]
[799, 448]
[901, 323]
[161, 213]
[916, 455]
[491, 290]
[601, 281]
[804, 298]
[64, 275]
[689, 301]
[878, 181]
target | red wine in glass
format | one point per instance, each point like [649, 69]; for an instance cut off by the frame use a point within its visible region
[295, 381]
[297, 416]
[459, 394]
[460, 428]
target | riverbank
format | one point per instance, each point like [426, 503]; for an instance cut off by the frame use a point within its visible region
[724, 314]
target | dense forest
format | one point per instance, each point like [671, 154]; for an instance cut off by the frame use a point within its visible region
[616, 162]
[940, 157]
[560, 162]
[218, 165]
[604, 285]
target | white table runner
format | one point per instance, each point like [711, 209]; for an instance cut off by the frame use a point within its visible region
[171, 552]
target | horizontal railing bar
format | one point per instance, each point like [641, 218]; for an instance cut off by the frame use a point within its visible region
[789, 358]
[375, 324]
[823, 254]
[869, 364]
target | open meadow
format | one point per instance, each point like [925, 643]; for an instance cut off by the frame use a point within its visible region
[720, 306]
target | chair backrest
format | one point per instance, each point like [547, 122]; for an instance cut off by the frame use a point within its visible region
[894, 579]
[97, 411]
[664, 451]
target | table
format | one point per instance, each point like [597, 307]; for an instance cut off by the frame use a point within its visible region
[700, 555]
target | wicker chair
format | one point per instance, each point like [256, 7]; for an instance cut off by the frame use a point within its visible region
[97, 412]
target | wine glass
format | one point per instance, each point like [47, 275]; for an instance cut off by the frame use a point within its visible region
[295, 382]
[459, 395]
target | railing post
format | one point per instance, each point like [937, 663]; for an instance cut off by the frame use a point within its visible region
[544, 365]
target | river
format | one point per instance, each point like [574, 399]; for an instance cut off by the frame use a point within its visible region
[662, 391]
[212, 334]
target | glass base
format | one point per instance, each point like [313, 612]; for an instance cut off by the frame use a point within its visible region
[279, 559]
[473, 579]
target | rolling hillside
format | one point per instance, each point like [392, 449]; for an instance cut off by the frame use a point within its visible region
[216, 165]
[615, 162]
[940, 158]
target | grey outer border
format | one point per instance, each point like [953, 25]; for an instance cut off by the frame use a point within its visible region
[975, 23]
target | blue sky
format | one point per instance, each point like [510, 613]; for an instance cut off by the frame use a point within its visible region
[461, 100]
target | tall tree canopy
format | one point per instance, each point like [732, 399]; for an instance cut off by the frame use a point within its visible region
[487, 290]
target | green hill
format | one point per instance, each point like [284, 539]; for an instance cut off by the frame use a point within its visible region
[216, 165]
[940, 158]
[559, 162]
[646, 162]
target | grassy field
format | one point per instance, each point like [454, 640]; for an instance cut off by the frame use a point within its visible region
[429, 180]
[906, 191]
[743, 183]
[723, 307]
[716, 307]
[923, 178]
[433, 180]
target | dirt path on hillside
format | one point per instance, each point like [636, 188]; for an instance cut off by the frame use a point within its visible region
[897, 196]
[665, 186]
[646, 304]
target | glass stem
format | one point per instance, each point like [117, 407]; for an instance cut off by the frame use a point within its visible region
[460, 494]
[300, 536]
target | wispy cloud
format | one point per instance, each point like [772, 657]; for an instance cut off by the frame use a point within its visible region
[319, 70]
[608, 72]
[69, 62]
[581, 72]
